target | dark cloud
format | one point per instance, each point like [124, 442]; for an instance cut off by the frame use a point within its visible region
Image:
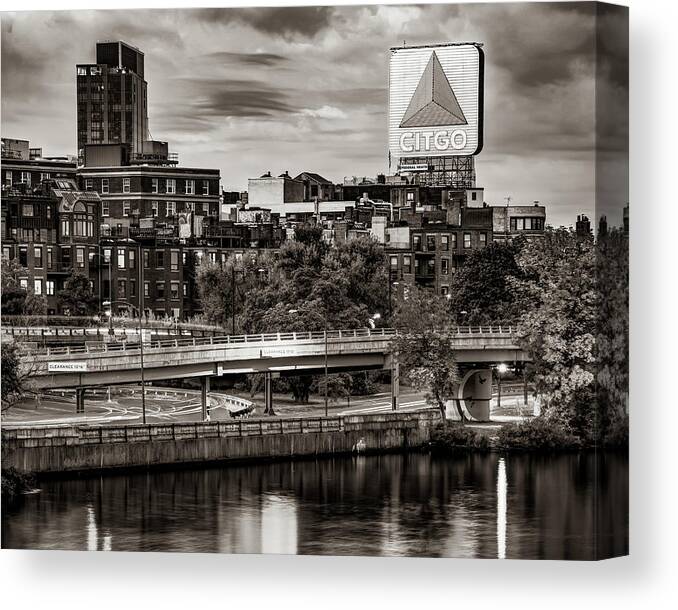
[286, 22]
[247, 59]
[234, 98]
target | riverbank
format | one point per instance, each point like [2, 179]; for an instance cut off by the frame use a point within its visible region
[531, 435]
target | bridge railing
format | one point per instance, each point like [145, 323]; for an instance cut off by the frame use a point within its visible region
[332, 336]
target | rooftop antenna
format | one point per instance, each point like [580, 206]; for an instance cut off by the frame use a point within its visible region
[508, 200]
[404, 43]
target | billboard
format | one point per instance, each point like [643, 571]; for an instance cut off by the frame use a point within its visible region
[436, 100]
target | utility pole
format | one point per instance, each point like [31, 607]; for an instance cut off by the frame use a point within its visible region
[233, 298]
[326, 409]
[140, 311]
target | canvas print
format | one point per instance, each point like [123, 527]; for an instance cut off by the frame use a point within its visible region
[338, 280]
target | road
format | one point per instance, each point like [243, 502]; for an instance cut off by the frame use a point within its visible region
[170, 405]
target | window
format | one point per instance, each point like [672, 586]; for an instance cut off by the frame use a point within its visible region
[444, 266]
[107, 255]
[37, 287]
[7, 252]
[454, 241]
[205, 187]
[394, 262]
[174, 290]
[483, 239]
[159, 259]
[104, 186]
[27, 209]
[89, 184]
[122, 289]
[23, 283]
[410, 196]
[147, 259]
[416, 242]
[171, 186]
[430, 243]
[185, 289]
[467, 240]
[154, 185]
[8, 178]
[37, 256]
[444, 290]
[49, 288]
[45, 176]
[105, 208]
[154, 208]
[121, 258]
[190, 187]
[125, 208]
[174, 260]
[147, 289]
[80, 257]
[125, 185]
[213, 257]
[65, 228]
[49, 258]
[132, 259]
[132, 288]
[190, 206]
[445, 242]
[474, 196]
[26, 178]
[160, 290]
[407, 264]
[170, 209]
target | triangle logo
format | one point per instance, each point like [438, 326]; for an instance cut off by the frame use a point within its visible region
[433, 102]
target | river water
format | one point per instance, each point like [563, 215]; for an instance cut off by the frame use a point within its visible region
[479, 505]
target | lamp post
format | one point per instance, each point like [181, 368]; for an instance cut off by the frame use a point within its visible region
[501, 369]
[141, 346]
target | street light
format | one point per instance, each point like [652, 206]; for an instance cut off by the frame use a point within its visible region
[141, 347]
[501, 369]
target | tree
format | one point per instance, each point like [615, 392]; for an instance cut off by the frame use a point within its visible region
[612, 387]
[77, 295]
[424, 349]
[17, 301]
[481, 287]
[14, 376]
[559, 324]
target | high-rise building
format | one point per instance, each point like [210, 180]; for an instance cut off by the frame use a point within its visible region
[112, 98]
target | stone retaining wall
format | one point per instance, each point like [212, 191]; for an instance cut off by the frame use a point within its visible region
[57, 449]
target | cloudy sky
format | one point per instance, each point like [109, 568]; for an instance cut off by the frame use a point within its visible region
[252, 90]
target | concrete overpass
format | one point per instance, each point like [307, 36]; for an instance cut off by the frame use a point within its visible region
[287, 353]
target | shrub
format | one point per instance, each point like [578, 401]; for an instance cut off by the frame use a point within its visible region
[15, 483]
[617, 435]
[538, 434]
[447, 438]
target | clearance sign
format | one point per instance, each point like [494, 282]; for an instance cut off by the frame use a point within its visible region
[436, 100]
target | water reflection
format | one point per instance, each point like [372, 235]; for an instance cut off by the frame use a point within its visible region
[469, 506]
[502, 486]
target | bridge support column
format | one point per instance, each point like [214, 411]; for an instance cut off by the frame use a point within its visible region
[204, 397]
[80, 400]
[395, 385]
[473, 396]
[268, 394]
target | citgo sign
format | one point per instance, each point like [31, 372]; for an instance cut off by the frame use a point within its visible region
[436, 100]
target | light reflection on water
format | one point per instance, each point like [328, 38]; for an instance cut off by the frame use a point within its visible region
[468, 506]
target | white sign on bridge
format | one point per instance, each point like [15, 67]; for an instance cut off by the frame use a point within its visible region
[66, 367]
